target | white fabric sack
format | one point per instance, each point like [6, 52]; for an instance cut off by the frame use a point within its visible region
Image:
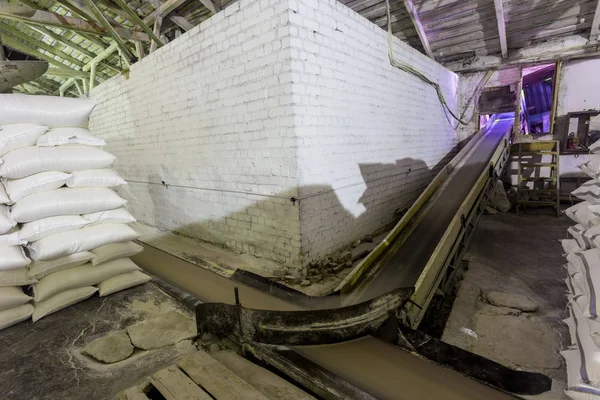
[122, 282]
[7, 223]
[15, 315]
[32, 160]
[588, 263]
[37, 230]
[590, 367]
[577, 233]
[20, 188]
[591, 167]
[65, 136]
[592, 236]
[65, 201]
[595, 148]
[15, 136]
[117, 216]
[114, 251]
[588, 191]
[84, 275]
[40, 269]
[571, 212]
[62, 300]
[105, 177]
[12, 257]
[52, 111]
[4, 199]
[11, 297]
[570, 246]
[576, 388]
[84, 239]
[15, 277]
[11, 238]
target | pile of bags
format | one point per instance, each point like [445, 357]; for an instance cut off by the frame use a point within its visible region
[583, 284]
[64, 232]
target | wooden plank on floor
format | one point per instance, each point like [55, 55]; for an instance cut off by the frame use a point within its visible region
[133, 393]
[217, 379]
[175, 385]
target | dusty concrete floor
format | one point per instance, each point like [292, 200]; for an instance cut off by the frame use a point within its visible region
[516, 254]
[44, 360]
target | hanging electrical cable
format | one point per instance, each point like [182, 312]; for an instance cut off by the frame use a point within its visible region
[409, 69]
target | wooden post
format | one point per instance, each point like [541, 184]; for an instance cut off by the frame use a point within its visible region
[157, 27]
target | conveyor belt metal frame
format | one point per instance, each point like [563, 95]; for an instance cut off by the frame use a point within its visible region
[451, 247]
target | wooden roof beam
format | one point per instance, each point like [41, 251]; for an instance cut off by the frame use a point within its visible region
[595, 33]
[501, 27]
[165, 8]
[46, 18]
[416, 20]
[177, 19]
[69, 73]
[125, 52]
[210, 4]
[134, 18]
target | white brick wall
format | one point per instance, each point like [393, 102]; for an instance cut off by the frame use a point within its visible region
[368, 134]
[210, 115]
[276, 98]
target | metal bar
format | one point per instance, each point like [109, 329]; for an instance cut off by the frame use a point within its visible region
[46, 18]
[416, 20]
[127, 55]
[137, 20]
[501, 27]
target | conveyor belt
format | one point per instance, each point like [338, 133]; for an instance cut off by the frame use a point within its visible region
[381, 369]
[403, 268]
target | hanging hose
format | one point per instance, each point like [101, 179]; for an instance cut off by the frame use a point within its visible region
[407, 68]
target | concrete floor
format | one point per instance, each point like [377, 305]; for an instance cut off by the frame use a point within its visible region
[516, 254]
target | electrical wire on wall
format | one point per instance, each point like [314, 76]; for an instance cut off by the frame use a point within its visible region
[409, 69]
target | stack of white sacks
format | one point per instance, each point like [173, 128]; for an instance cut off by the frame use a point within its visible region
[64, 233]
[583, 284]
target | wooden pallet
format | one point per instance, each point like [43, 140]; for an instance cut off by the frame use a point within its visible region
[195, 377]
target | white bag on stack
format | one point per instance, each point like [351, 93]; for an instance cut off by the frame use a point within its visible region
[117, 216]
[122, 282]
[577, 232]
[4, 199]
[51, 111]
[84, 239]
[588, 264]
[115, 251]
[591, 167]
[65, 201]
[570, 246]
[84, 275]
[16, 136]
[588, 191]
[96, 178]
[65, 136]
[32, 160]
[40, 269]
[41, 228]
[20, 188]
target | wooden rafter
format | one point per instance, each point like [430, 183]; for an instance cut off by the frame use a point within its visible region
[177, 19]
[165, 8]
[46, 18]
[68, 73]
[416, 20]
[125, 52]
[595, 33]
[210, 4]
[501, 27]
[157, 27]
[134, 18]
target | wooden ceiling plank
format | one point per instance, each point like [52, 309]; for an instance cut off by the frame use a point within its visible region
[47, 18]
[165, 8]
[125, 52]
[414, 16]
[134, 18]
[210, 4]
[157, 27]
[595, 33]
[501, 27]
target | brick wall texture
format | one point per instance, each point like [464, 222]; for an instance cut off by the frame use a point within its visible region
[270, 100]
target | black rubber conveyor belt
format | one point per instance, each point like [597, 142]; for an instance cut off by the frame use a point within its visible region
[403, 268]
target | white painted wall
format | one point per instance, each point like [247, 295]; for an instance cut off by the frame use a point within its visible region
[276, 98]
[369, 137]
[579, 88]
[210, 114]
